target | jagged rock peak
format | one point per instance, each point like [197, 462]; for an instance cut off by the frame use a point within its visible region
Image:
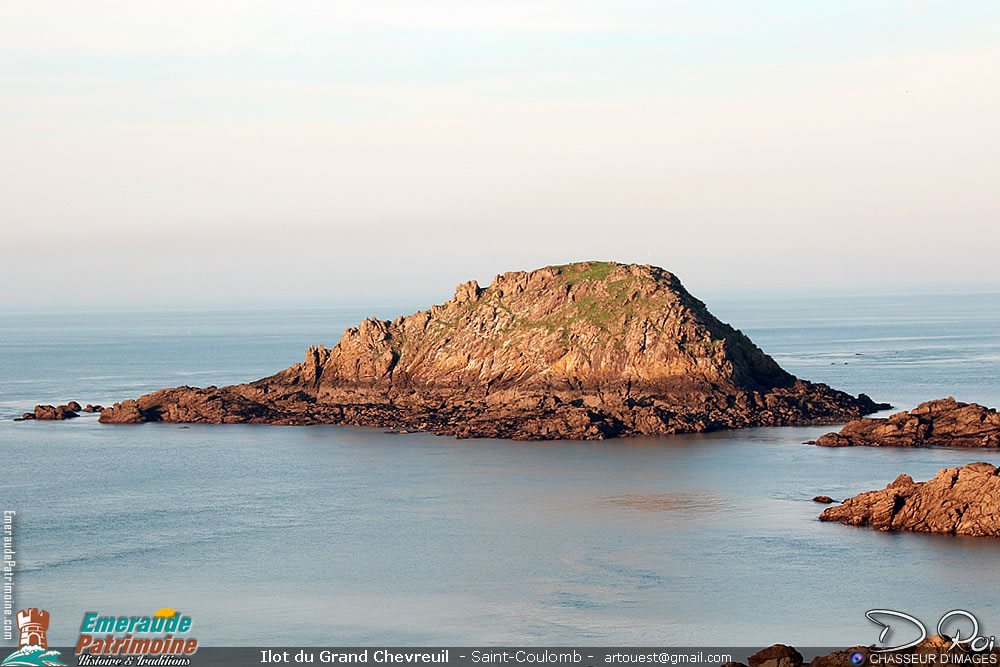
[588, 324]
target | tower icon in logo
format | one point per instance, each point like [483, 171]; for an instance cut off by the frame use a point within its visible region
[33, 648]
[33, 624]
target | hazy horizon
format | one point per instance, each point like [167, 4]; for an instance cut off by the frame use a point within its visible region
[205, 154]
[388, 306]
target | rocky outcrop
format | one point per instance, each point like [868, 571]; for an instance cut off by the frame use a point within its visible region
[57, 412]
[961, 501]
[941, 423]
[51, 412]
[588, 350]
[776, 655]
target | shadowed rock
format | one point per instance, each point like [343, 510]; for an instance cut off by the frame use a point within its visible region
[587, 350]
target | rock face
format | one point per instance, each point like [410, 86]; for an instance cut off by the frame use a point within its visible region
[941, 423]
[961, 501]
[587, 350]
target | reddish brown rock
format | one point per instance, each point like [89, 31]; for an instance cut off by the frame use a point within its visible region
[127, 412]
[588, 350]
[777, 655]
[93, 408]
[961, 501]
[826, 500]
[941, 423]
[74, 406]
[50, 412]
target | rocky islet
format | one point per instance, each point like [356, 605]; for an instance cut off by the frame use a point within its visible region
[583, 351]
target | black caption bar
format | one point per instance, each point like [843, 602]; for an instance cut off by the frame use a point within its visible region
[452, 656]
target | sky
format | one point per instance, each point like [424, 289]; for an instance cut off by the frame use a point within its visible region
[212, 153]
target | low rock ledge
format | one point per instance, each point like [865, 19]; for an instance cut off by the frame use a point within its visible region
[957, 501]
[941, 423]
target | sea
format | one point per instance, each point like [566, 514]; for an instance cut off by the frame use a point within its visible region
[337, 536]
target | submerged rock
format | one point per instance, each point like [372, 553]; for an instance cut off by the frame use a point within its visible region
[960, 501]
[942, 423]
[587, 350]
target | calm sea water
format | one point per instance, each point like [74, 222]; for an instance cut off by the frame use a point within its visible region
[335, 535]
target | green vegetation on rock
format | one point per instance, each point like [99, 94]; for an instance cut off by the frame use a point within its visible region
[582, 271]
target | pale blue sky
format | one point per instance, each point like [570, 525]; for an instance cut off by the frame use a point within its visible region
[217, 152]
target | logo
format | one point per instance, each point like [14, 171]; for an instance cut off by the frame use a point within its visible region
[144, 639]
[33, 647]
[857, 658]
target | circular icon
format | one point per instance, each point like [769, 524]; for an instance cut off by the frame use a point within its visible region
[857, 658]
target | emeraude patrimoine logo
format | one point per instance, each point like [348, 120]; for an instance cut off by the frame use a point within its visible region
[163, 633]
[33, 647]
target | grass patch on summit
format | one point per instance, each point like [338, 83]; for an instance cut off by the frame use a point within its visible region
[583, 271]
